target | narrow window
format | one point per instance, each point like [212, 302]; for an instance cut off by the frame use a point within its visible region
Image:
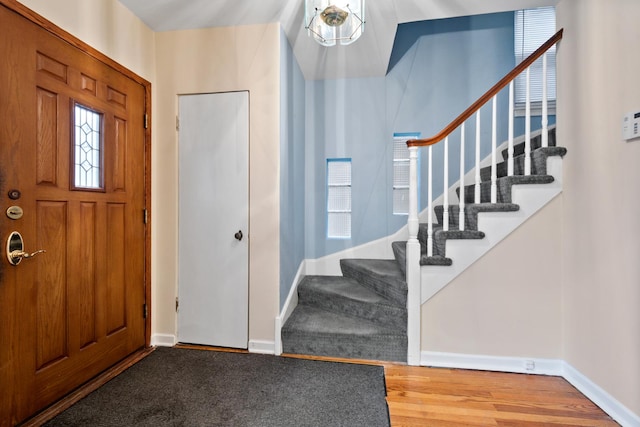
[401, 172]
[532, 28]
[339, 198]
[87, 149]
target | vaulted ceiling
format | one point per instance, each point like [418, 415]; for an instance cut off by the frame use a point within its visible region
[367, 57]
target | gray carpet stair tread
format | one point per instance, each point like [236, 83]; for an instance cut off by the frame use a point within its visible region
[344, 295]
[310, 330]
[504, 185]
[381, 267]
[459, 234]
[381, 275]
[538, 163]
[312, 320]
[401, 248]
[343, 287]
[436, 260]
[471, 211]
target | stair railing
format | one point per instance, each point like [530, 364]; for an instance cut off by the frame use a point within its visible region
[413, 253]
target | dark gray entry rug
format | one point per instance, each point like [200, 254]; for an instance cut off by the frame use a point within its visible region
[184, 387]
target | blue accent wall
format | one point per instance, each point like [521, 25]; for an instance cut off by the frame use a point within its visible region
[438, 68]
[292, 168]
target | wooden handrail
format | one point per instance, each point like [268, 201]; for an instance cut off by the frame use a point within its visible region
[488, 95]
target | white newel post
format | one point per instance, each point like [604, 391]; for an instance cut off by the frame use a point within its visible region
[413, 265]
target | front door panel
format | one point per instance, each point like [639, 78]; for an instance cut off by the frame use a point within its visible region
[76, 309]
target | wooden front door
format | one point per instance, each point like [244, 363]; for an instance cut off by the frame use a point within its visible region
[72, 157]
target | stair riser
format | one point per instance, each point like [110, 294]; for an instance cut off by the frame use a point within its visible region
[378, 285]
[471, 214]
[503, 187]
[440, 238]
[393, 317]
[536, 142]
[388, 348]
[400, 254]
[538, 166]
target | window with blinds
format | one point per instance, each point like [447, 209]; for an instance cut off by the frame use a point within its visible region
[339, 198]
[401, 172]
[533, 27]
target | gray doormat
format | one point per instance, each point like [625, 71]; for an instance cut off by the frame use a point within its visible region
[184, 387]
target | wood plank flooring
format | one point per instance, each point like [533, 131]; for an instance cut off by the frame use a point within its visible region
[438, 397]
[420, 396]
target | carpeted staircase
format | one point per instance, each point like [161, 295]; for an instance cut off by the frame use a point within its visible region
[362, 314]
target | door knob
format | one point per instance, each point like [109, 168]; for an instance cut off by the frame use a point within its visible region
[15, 249]
[238, 235]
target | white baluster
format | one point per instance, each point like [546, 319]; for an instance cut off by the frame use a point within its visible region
[445, 216]
[412, 275]
[430, 205]
[461, 214]
[545, 118]
[510, 150]
[477, 186]
[527, 125]
[494, 143]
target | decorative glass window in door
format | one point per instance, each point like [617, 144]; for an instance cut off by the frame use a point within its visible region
[87, 149]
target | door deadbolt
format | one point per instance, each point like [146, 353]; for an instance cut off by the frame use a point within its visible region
[238, 235]
[15, 249]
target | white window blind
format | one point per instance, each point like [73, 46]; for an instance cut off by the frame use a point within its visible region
[339, 198]
[533, 27]
[401, 172]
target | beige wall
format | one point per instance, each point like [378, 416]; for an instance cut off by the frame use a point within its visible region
[598, 71]
[220, 60]
[509, 302]
[107, 26]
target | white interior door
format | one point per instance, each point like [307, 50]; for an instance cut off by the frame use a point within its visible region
[213, 282]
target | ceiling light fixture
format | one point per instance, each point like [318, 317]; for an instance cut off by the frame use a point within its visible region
[332, 21]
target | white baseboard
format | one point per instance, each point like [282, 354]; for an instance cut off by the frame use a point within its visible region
[290, 303]
[163, 340]
[600, 397]
[262, 347]
[525, 365]
[520, 365]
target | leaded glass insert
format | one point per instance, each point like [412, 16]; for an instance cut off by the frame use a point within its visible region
[87, 158]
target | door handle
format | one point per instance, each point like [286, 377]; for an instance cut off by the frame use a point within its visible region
[238, 235]
[15, 249]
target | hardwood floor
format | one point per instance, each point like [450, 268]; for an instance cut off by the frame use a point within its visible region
[419, 396]
[438, 397]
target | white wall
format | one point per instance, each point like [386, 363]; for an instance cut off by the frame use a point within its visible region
[220, 60]
[598, 71]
